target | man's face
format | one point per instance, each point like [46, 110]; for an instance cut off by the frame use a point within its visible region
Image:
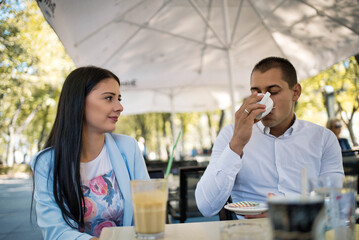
[283, 97]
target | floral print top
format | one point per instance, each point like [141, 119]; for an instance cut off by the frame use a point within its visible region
[103, 203]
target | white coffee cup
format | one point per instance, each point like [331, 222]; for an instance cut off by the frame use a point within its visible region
[266, 100]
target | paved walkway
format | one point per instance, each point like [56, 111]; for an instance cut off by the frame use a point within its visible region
[15, 200]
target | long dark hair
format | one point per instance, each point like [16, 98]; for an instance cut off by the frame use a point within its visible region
[66, 140]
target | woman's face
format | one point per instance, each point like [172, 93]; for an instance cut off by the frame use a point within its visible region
[103, 107]
[336, 128]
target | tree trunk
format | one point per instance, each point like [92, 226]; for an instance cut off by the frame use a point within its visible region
[220, 123]
[210, 132]
[11, 144]
[43, 128]
[200, 135]
[164, 120]
[349, 121]
[182, 153]
[16, 132]
[158, 138]
[351, 133]
[140, 119]
[10, 148]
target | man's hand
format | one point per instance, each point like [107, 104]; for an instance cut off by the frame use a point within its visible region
[261, 215]
[245, 117]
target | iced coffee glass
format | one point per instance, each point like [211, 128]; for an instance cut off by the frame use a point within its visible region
[149, 200]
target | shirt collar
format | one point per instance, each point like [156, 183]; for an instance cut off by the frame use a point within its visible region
[265, 130]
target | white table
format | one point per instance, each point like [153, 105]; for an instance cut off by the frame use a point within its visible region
[252, 229]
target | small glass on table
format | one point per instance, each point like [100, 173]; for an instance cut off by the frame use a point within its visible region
[340, 204]
[296, 217]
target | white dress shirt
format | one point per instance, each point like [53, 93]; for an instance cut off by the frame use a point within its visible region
[268, 164]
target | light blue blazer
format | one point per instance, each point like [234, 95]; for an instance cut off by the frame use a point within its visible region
[128, 164]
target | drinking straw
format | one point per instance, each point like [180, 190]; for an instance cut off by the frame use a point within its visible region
[171, 158]
[304, 183]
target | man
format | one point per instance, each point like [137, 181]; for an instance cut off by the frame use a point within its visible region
[253, 158]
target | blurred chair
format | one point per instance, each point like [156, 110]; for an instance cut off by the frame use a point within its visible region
[351, 167]
[182, 205]
[156, 173]
[157, 164]
[182, 163]
[225, 214]
[351, 164]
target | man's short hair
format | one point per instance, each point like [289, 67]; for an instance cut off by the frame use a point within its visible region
[288, 71]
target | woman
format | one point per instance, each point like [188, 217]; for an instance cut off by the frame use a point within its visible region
[336, 127]
[82, 177]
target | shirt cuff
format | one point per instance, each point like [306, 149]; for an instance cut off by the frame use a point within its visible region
[230, 161]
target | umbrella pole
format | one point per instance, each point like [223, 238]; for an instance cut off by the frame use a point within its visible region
[231, 84]
[228, 55]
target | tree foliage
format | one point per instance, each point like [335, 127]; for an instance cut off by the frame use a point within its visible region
[199, 130]
[343, 78]
[33, 65]
[32, 68]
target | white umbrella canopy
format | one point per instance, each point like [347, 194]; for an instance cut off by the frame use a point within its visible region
[181, 99]
[196, 55]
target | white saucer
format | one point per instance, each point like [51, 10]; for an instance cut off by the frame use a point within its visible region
[262, 207]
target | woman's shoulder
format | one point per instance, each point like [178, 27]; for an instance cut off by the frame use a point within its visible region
[344, 140]
[117, 136]
[43, 158]
[122, 139]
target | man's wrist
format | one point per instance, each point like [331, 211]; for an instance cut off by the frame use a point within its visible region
[235, 148]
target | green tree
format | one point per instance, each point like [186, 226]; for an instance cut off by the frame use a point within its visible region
[14, 69]
[154, 127]
[343, 77]
[32, 68]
